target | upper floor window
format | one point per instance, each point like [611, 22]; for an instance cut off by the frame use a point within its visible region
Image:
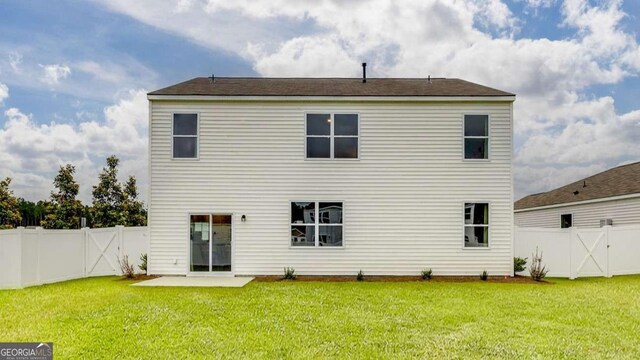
[185, 136]
[476, 137]
[566, 221]
[332, 136]
[476, 225]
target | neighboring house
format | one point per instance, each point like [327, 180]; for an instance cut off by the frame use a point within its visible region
[610, 197]
[330, 176]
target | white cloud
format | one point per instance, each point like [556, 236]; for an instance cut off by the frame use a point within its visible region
[335, 60]
[605, 138]
[536, 4]
[4, 93]
[52, 74]
[93, 76]
[32, 152]
[495, 12]
[15, 60]
[219, 28]
[109, 72]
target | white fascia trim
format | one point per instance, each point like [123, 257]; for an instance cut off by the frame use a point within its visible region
[584, 202]
[336, 98]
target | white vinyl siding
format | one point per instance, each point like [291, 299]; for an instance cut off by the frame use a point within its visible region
[403, 196]
[622, 212]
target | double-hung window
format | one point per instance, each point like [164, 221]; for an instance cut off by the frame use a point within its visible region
[316, 224]
[476, 225]
[476, 137]
[185, 136]
[332, 136]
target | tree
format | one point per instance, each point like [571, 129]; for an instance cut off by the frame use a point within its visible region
[108, 197]
[32, 213]
[9, 212]
[65, 210]
[135, 214]
[27, 212]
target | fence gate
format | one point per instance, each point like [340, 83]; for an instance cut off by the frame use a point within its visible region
[589, 252]
[102, 251]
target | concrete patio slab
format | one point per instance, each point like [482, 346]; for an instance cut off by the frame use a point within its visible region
[196, 281]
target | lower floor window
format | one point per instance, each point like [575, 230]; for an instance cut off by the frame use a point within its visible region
[316, 224]
[476, 225]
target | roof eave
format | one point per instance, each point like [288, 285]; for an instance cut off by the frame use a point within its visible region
[479, 98]
[581, 202]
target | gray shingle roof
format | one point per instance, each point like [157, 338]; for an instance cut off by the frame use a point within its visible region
[246, 86]
[621, 180]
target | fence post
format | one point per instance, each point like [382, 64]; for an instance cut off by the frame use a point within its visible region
[120, 230]
[607, 229]
[514, 235]
[85, 237]
[120, 238]
[38, 255]
[572, 235]
[20, 256]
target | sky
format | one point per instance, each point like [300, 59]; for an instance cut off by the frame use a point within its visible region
[74, 74]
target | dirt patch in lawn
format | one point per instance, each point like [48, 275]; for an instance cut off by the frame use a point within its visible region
[452, 279]
[139, 277]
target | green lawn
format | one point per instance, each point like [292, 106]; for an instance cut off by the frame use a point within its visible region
[107, 318]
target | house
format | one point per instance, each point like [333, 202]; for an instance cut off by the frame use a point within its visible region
[330, 176]
[611, 197]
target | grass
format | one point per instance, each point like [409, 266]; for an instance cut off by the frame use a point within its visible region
[106, 318]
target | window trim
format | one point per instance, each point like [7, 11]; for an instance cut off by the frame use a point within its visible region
[331, 135]
[197, 136]
[561, 215]
[316, 225]
[488, 226]
[488, 137]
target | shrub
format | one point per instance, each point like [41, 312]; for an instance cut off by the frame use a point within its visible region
[484, 276]
[143, 263]
[519, 264]
[360, 276]
[426, 274]
[128, 271]
[537, 270]
[289, 273]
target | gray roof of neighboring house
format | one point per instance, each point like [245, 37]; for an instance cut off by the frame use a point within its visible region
[248, 86]
[621, 180]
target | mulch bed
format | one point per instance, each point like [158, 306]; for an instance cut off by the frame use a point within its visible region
[450, 279]
[140, 277]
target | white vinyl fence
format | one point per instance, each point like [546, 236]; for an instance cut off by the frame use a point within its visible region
[37, 256]
[578, 252]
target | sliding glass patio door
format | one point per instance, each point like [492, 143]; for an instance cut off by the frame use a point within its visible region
[210, 243]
